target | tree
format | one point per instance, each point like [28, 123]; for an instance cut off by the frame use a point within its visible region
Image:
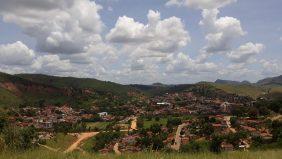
[173, 122]
[234, 121]
[253, 112]
[257, 141]
[207, 129]
[157, 118]
[215, 145]
[191, 147]
[156, 128]
[157, 143]
[140, 123]
[17, 138]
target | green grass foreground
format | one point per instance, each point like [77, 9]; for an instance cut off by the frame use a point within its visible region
[42, 154]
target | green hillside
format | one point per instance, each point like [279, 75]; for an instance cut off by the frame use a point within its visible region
[78, 83]
[244, 90]
[251, 90]
[33, 89]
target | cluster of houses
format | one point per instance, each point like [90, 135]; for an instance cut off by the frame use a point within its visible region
[188, 103]
[45, 118]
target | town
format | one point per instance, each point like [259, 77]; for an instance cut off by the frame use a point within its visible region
[186, 121]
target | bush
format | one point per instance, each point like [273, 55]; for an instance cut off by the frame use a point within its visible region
[102, 139]
[16, 138]
[195, 146]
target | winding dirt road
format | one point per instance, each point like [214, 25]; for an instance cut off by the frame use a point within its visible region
[81, 137]
[228, 123]
[133, 125]
[116, 150]
[177, 138]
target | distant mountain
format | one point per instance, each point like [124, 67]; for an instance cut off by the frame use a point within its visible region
[219, 81]
[271, 81]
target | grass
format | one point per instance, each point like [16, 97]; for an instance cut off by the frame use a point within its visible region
[147, 124]
[7, 98]
[163, 121]
[41, 154]
[244, 90]
[100, 125]
[61, 141]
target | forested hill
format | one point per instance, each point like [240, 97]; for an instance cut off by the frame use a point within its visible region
[35, 88]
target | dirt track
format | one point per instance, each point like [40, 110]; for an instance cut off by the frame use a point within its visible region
[177, 139]
[133, 125]
[116, 150]
[81, 137]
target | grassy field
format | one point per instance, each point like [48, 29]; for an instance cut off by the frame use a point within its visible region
[61, 141]
[40, 154]
[100, 125]
[245, 90]
[163, 121]
[147, 124]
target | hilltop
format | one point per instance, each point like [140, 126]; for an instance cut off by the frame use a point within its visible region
[271, 81]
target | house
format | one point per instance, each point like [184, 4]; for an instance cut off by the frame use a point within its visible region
[226, 146]
[163, 104]
[103, 114]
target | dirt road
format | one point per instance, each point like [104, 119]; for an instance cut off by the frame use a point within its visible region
[278, 117]
[133, 125]
[177, 138]
[228, 123]
[116, 150]
[81, 137]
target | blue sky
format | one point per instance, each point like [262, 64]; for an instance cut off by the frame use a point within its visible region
[91, 39]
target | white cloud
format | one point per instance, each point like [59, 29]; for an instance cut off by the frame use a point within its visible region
[144, 47]
[51, 64]
[245, 52]
[200, 4]
[16, 54]
[221, 32]
[59, 26]
[182, 63]
[271, 67]
[163, 36]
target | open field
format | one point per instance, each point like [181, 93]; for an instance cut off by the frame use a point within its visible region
[147, 124]
[100, 125]
[246, 90]
[40, 154]
[61, 141]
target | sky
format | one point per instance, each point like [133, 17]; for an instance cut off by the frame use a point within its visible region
[143, 41]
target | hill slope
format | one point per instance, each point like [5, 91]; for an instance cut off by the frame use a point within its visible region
[34, 88]
[271, 81]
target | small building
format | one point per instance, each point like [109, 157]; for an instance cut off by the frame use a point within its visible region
[226, 146]
[103, 114]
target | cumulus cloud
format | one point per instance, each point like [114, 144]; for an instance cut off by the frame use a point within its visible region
[221, 32]
[51, 64]
[271, 67]
[158, 35]
[245, 52]
[146, 46]
[16, 54]
[182, 63]
[59, 26]
[200, 4]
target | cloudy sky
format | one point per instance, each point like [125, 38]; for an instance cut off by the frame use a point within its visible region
[142, 41]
